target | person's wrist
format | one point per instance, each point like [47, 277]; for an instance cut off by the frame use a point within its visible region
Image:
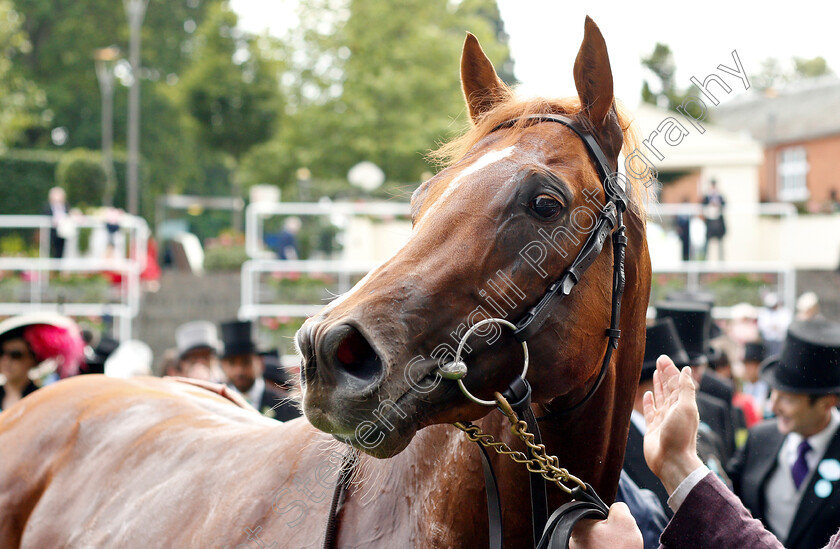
[675, 469]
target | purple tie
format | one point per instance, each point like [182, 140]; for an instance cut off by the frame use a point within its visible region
[800, 466]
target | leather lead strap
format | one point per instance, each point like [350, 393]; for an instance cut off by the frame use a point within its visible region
[558, 531]
[518, 395]
[494, 501]
[348, 464]
[539, 491]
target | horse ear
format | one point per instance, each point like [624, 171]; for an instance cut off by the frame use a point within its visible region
[593, 76]
[594, 83]
[483, 89]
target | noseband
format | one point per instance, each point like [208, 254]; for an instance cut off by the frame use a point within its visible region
[555, 531]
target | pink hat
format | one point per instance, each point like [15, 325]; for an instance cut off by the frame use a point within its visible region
[50, 336]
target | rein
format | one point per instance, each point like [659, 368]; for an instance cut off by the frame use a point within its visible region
[550, 532]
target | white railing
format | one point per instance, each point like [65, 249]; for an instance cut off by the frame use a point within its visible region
[785, 285]
[252, 308]
[35, 272]
[253, 271]
[257, 212]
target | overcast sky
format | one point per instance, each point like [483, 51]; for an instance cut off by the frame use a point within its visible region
[545, 36]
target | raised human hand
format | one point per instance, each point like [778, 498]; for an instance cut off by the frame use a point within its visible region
[672, 419]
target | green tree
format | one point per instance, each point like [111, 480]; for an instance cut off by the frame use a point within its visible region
[230, 89]
[63, 35]
[374, 82]
[810, 68]
[19, 97]
[663, 92]
[774, 73]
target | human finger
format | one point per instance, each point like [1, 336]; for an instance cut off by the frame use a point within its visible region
[658, 394]
[649, 408]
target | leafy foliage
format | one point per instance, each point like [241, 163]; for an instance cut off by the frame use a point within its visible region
[664, 93]
[27, 177]
[375, 83]
[775, 73]
[19, 96]
[81, 174]
[230, 90]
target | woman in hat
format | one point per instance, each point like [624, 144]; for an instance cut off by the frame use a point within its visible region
[27, 341]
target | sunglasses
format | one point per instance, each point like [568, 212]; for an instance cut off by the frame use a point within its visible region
[14, 355]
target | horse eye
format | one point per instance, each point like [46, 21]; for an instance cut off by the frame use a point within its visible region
[546, 206]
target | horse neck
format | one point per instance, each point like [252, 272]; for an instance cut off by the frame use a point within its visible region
[590, 442]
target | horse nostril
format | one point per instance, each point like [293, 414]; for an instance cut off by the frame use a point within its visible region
[353, 355]
[307, 351]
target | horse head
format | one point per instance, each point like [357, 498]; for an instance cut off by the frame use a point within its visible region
[491, 231]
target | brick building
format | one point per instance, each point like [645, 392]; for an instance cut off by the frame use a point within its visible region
[799, 129]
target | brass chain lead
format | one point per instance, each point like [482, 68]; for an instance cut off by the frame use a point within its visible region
[541, 462]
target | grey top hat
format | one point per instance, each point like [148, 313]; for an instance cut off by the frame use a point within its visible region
[810, 359]
[199, 334]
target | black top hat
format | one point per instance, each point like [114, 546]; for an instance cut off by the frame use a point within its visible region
[95, 357]
[662, 339]
[754, 351]
[810, 359]
[693, 322]
[700, 297]
[274, 371]
[236, 337]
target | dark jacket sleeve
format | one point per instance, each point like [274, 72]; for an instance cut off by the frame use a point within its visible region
[711, 517]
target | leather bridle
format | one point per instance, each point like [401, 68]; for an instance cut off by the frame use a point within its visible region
[549, 532]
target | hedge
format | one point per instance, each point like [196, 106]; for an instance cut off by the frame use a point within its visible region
[26, 177]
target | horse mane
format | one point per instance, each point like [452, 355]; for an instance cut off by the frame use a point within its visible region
[511, 107]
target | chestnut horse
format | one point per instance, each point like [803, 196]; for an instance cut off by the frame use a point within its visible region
[98, 462]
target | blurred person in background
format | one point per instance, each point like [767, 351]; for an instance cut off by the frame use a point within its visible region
[62, 225]
[34, 345]
[683, 224]
[168, 362]
[752, 384]
[244, 367]
[713, 204]
[198, 351]
[743, 326]
[808, 307]
[773, 322]
[285, 243]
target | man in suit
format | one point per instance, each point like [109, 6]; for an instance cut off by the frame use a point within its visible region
[706, 514]
[788, 471]
[244, 368]
[662, 338]
[693, 321]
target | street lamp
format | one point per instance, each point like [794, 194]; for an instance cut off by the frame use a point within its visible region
[135, 10]
[105, 59]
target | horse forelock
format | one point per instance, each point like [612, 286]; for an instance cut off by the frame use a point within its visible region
[519, 109]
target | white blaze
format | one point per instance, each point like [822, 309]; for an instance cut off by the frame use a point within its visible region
[486, 160]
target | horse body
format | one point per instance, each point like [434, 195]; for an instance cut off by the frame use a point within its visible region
[98, 462]
[151, 462]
